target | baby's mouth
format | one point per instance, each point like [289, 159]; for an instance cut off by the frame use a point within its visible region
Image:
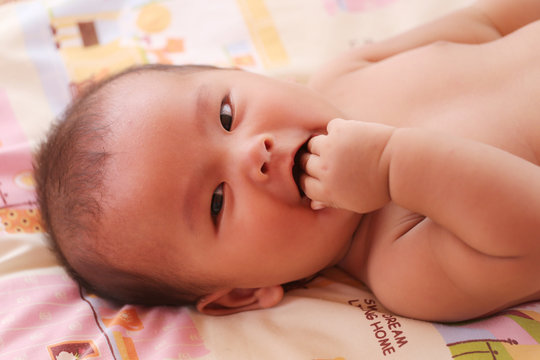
[297, 169]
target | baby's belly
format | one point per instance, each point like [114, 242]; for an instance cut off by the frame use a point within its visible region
[487, 92]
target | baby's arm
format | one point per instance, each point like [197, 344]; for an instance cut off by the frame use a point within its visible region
[481, 22]
[484, 21]
[486, 197]
[475, 248]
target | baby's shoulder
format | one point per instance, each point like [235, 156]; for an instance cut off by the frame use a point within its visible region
[333, 70]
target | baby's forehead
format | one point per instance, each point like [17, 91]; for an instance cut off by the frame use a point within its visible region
[175, 82]
[136, 100]
[158, 71]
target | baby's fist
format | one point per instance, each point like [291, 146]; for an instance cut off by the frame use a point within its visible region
[343, 168]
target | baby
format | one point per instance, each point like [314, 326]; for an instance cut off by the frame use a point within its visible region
[175, 185]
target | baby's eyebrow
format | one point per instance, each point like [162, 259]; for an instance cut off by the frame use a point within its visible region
[202, 106]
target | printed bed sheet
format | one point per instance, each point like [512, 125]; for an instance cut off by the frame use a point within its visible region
[51, 50]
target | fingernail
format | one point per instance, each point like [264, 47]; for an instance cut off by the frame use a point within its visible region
[317, 205]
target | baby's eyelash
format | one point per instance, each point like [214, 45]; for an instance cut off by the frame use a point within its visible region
[216, 204]
[226, 114]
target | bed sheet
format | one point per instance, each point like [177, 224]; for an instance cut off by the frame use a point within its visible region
[51, 50]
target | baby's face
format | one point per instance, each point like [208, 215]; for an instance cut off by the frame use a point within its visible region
[202, 179]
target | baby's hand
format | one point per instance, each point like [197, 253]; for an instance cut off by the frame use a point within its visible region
[348, 168]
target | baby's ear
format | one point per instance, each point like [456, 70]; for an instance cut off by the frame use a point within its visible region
[230, 301]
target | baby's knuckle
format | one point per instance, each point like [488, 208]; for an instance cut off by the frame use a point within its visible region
[332, 124]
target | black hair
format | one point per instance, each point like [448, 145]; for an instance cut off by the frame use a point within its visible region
[69, 168]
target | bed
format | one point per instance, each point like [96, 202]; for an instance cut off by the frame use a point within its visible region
[51, 50]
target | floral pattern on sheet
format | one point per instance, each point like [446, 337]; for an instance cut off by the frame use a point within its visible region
[15, 220]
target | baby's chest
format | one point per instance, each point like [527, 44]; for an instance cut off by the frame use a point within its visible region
[460, 89]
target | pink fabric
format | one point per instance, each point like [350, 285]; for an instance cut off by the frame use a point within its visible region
[47, 317]
[16, 182]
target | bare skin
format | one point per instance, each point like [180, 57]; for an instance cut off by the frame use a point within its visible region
[428, 192]
[443, 160]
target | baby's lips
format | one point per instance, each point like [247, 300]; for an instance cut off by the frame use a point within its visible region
[319, 132]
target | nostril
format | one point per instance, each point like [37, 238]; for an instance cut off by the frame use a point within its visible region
[268, 144]
[264, 168]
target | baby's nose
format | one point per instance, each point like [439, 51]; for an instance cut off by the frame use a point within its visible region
[258, 156]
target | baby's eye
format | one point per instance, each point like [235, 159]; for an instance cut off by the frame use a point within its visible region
[217, 202]
[225, 114]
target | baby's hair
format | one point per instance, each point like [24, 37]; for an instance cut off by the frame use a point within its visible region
[70, 167]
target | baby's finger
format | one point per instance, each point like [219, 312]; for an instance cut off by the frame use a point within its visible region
[317, 205]
[332, 124]
[311, 186]
[314, 144]
[309, 163]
